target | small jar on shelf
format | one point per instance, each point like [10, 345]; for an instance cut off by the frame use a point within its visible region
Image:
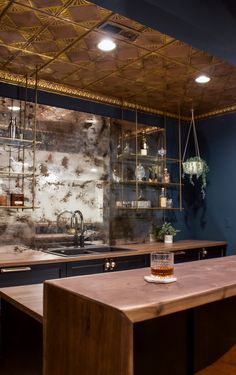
[166, 176]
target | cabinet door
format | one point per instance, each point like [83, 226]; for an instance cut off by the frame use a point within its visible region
[31, 274]
[186, 256]
[85, 267]
[128, 262]
[213, 252]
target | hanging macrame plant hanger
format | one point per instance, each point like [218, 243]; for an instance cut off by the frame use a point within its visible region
[194, 166]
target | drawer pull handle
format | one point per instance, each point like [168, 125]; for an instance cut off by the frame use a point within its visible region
[16, 269]
[107, 265]
[179, 252]
[112, 264]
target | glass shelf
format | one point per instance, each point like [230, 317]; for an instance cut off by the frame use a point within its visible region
[148, 158]
[17, 142]
[149, 208]
[19, 207]
[146, 183]
[16, 175]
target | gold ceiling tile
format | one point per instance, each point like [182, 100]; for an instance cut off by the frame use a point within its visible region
[18, 69]
[231, 80]
[129, 52]
[200, 60]
[88, 15]
[24, 18]
[58, 69]
[80, 58]
[88, 76]
[3, 5]
[63, 30]
[150, 39]
[11, 36]
[5, 52]
[51, 7]
[222, 69]
[121, 20]
[177, 51]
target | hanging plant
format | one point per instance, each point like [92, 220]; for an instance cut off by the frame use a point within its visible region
[195, 166]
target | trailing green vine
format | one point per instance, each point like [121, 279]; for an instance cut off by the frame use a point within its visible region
[200, 171]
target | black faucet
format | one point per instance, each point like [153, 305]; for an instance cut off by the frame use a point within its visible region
[78, 240]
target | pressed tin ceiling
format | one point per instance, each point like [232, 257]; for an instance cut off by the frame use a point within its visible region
[153, 72]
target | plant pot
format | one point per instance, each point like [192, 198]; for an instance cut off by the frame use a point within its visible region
[193, 167]
[168, 238]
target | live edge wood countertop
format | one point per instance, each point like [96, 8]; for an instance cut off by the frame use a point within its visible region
[197, 283]
[11, 258]
[97, 315]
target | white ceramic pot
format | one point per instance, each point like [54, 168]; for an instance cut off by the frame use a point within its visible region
[193, 167]
[168, 238]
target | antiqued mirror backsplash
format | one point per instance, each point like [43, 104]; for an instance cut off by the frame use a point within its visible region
[55, 160]
[58, 162]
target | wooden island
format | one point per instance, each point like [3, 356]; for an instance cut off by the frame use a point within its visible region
[118, 324]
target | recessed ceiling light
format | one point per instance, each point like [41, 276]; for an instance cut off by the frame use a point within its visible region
[14, 108]
[106, 45]
[202, 79]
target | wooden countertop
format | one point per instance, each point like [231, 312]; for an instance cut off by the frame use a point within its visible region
[9, 258]
[27, 298]
[197, 283]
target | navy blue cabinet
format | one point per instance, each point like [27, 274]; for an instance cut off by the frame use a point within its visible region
[106, 265]
[31, 274]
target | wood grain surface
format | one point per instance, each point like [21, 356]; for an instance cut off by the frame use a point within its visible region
[27, 298]
[11, 258]
[197, 283]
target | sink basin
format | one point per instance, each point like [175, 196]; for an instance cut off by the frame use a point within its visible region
[71, 251]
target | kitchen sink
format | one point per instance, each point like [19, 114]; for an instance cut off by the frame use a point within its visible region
[71, 251]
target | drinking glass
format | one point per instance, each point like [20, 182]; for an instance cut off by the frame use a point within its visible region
[162, 264]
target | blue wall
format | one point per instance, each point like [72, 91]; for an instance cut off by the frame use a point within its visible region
[216, 217]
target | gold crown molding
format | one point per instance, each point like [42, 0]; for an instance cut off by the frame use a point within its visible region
[20, 80]
[216, 112]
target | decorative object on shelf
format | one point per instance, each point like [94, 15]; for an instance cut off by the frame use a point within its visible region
[166, 176]
[195, 166]
[161, 152]
[126, 150]
[163, 199]
[167, 232]
[139, 172]
[17, 199]
[143, 202]
[169, 203]
[115, 176]
[143, 145]
[161, 145]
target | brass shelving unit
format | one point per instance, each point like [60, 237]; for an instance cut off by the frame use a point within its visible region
[19, 144]
[130, 159]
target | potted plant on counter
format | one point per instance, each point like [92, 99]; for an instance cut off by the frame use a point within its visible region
[167, 232]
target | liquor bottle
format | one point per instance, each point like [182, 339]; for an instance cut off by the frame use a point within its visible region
[143, 145]
[166, 176]
[163, 199]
